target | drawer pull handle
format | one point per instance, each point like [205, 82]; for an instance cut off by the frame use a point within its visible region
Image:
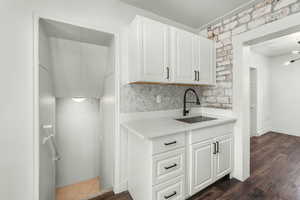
[171, 195]
[215, 148]
[218, 147]
[170, 143]
[168, 73]
[170, 167]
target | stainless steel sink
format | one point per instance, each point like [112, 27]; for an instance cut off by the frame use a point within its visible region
[196, 119]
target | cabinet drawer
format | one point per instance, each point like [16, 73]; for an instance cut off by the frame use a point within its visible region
[200, 135]
[168, 165]
[168, 143]
[171, 190]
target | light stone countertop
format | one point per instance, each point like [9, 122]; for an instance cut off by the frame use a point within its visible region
[162, 126]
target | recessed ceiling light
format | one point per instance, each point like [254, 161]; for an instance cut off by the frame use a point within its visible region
[295, 52]
[78, 99]
[290, 62]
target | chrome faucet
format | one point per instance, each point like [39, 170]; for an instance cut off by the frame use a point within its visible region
[185, 111]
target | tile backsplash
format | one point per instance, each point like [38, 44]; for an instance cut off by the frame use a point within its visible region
[142, 97]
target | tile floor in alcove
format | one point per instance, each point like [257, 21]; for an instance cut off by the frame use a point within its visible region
[79, 191]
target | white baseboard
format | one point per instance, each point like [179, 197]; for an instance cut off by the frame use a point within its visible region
[286, 132]
[122, 187]
[263, 131]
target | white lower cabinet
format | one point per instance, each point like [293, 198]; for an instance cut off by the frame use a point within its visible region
[209, 161]
[177, 166]
[168, 165]
[171, 190]
[156, 168]
[201, 166]
[224, 146]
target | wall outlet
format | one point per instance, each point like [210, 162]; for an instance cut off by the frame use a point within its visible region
[158, 99]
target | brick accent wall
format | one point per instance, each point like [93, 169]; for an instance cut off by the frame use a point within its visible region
[261, 13]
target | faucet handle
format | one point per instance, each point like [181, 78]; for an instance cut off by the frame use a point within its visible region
[185, 112]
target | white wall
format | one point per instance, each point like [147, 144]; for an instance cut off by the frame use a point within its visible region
[47, 117]
[78, 138]
[262, 65]
[16, 101]
[278, 107]
[285, 96]
[107, 107]
[78, 68]
[16, 77]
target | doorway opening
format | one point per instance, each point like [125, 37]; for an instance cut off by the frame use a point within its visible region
[242, 45]
[76, 111]
[277, 83]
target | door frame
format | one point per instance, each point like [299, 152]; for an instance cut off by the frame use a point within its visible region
[117, 139]
[241, 83]
[251, 68]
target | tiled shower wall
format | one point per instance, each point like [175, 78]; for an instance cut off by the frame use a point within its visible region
[140, 98]
[251, 17]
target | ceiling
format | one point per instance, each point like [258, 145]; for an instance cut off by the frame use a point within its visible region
[78, 69]
[70, 32]
[279, 46]
[77, 58]
[193, 13]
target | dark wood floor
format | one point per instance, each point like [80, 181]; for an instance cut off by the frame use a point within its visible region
[123, 196]
[275, 173]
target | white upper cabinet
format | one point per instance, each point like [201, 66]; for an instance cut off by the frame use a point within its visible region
[158, 53]
[207, 61]
[182, 56]
[149, 51]
[154, 47]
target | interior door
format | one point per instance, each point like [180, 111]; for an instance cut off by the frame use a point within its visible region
[253, 102]
[224, 156]
[207, 61]
[183, 56]
[154, 36]
[201, 166]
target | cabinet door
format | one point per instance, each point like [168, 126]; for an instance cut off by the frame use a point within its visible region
[201, 166]
[207, 61]
[196, 58]
[224, 156]
[154, 51]
[182, 56]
